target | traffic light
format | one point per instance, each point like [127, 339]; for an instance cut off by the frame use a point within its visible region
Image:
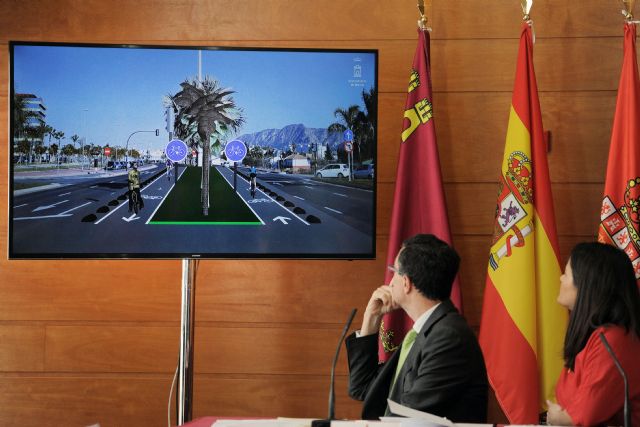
[168, 117]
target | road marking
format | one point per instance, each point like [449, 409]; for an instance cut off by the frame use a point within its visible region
[276, 183]
[340, 194]
[308, 186]
[111, 182]
[282, 219]
[246, 202]
[298, 197]
[94, 186]
[41, 208]
[64, 194]
[166, 196]
[333, 210]
[19, 206]
[133, 217]
[73, 209]
[42, 217]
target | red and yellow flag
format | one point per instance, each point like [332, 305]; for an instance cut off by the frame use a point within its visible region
[418, 203]
[522, 327]
[620, 212]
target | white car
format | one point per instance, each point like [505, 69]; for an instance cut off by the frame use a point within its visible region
[333, 170]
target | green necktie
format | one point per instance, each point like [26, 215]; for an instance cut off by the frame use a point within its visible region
[404, 351]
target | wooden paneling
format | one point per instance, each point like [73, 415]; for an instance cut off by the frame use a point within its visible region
[96, 341]
[21, 348]
[471, 131]
[80, 400]
[501, 19]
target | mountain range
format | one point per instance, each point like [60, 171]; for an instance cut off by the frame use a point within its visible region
[298, 134]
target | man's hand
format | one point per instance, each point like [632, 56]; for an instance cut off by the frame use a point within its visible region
[380, 303]
[556, 415]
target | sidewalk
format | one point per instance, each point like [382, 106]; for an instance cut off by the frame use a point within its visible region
[70, 172]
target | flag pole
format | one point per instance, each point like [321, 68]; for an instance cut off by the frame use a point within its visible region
[526, 9]
[628, 9]
[422, 22]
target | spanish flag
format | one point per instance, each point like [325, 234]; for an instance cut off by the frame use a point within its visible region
[522, 327]
[620, 212]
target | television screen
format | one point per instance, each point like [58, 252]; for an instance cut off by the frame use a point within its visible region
[121, 151]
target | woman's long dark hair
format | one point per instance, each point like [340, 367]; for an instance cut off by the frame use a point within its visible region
[607, 295]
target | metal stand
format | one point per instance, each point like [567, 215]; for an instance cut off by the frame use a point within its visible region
[184, 397]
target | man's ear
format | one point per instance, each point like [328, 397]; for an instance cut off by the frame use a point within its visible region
[407, 285]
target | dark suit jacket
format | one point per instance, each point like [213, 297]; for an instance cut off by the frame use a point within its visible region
[444, 373]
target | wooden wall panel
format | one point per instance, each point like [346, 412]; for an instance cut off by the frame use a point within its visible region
[96, 341]
[501, 19]
[21, 348]
[120, 400]
[471, 131]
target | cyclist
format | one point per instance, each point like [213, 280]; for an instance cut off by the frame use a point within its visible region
[253, 172]
[169, 164]
[133, 179]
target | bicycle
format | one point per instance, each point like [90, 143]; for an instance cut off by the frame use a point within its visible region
[253, 187]
[134, 201]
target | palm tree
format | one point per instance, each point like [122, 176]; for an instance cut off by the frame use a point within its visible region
[347, 119]
[367, 123]
[59, 135]
[75, 139]
[207, 111]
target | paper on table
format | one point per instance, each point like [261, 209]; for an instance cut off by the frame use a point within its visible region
[398, 409]
[431, 419]
[280, 422]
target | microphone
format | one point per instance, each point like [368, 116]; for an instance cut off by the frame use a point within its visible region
[332, 392]
[627, 413]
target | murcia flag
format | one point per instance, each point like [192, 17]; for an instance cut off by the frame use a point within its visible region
[620, 212]
[418, 202]
[522, 326]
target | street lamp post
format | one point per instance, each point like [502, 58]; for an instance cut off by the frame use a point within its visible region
[84, 129]
[126, 150]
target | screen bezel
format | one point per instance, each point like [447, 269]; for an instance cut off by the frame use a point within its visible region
[188, 255]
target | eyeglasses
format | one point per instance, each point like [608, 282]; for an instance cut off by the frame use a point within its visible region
[393, 269]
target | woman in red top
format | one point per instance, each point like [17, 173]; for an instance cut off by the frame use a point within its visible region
[599, 288]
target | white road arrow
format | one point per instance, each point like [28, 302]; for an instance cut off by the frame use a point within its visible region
[284, 219]
[133, 217]
[41, 208]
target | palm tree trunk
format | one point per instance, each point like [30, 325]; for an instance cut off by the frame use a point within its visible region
[206, 161]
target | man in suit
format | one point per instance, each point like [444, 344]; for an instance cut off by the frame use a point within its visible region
[443, 371]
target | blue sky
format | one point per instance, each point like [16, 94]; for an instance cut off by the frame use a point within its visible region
[106, 93]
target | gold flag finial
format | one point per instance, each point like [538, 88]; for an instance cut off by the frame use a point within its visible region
[526, 8]
[422, 22]
[628, 9]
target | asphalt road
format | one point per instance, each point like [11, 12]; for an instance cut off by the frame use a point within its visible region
[50, 222]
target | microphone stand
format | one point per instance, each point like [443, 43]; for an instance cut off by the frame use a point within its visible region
[627, 413]
[332, 392]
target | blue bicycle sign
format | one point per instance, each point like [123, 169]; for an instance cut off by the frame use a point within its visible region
[176, 150]
[235, 150]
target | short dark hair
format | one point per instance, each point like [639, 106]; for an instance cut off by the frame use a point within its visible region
[430, 264]
[607, 295]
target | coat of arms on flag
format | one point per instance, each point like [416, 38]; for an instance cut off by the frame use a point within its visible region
[514, 202]
[619, 225]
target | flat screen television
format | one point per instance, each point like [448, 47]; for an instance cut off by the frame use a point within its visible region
[89, 122]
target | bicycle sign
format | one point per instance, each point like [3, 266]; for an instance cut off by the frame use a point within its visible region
[235, 150]
[176, 150]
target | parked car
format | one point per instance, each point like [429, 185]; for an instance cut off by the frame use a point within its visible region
[364, 172]
[333, 170]
[111, 165]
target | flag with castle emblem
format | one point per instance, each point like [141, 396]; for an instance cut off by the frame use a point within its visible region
[418, 202]
[620, 212]
[522, 326]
